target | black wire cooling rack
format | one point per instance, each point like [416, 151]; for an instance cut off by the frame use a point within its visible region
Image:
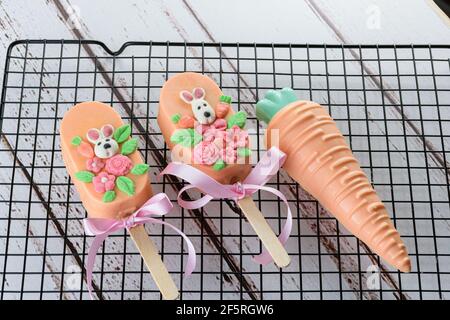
[391, 102]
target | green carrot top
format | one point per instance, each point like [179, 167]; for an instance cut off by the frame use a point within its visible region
[274, 101]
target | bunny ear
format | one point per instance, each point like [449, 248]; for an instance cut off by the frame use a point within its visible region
[107, 130]
[199, 93]
[186, 96]
[93, 135]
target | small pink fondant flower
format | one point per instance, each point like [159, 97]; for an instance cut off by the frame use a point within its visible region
[206, 153]
[95, 164]
[104, 182]
[212, 134]
[212, 131]
[118, 165]
[220, 124]
[236, 137]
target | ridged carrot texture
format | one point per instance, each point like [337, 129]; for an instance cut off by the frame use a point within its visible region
[320, 160]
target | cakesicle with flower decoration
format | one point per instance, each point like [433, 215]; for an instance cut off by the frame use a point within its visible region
[110, 176]
[202, 130]
[320, 160]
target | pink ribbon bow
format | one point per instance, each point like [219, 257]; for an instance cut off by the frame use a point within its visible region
[269, 165]
[157, 206]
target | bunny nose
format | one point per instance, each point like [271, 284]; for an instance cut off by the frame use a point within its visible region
[106, 146]
[207, 114]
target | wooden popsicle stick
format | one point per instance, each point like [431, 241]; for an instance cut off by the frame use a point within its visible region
[264, 232]
[155, 265]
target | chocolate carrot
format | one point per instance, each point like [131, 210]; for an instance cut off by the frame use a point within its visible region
[320, 160]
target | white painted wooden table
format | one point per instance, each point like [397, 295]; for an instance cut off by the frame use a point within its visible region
[320, 22]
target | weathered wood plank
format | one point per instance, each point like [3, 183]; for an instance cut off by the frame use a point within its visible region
[193, 21]
[196, 54]
[252, 97]
[67, 102]
[45, 143]
[382, 22]
[17, 22]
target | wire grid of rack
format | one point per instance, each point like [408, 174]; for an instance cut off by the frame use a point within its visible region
[391, 102]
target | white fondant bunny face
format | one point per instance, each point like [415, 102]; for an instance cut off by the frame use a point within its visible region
[202, 110]
[104, 144]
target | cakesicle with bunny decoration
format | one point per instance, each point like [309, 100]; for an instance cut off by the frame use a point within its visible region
[112, 181]
[202, 130]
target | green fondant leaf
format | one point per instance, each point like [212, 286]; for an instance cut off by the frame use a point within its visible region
[139, 169]
[122, 133]
[244, 152]
[219, 165]
[176, 118]
[76, 141]
[186, 137]
[238, 119]
[109, 196]
[84, 176]
[129, 147]
[125, 185]
[197, 137]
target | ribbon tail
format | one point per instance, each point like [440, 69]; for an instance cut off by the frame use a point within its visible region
[264, 258]
[194, 204]
[98, 240]
[192, 259]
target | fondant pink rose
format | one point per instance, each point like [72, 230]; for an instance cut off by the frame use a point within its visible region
[206, 153]
[118, 165]
[236, 137]
[220, 141]
[229, 155]
[104, 182]
[95, 164]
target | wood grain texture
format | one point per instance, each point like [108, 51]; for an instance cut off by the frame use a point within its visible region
[310, 22]
[155, 265]
[264, 232]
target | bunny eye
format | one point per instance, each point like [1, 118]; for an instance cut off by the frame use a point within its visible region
[107, 140]
[204, 104]
[198, 107]
[99, 143]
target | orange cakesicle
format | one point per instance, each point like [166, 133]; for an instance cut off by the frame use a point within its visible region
[176, 115]
[201, 129]
[320, 160]
[110, 176]
[75, 126]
